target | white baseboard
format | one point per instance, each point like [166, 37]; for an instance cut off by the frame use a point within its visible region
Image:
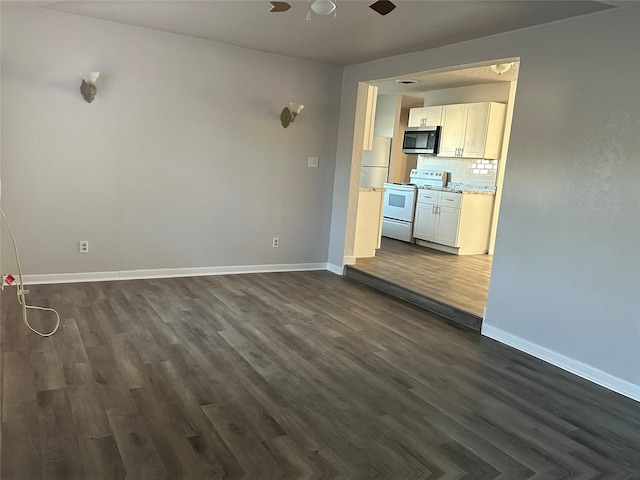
[576, 367]
[337, 269]
[168, 273]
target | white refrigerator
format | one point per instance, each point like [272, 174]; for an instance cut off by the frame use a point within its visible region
[375, 163]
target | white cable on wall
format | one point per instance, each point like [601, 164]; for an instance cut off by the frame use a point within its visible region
[22, 291]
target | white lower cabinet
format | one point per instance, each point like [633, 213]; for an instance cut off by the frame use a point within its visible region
[424, 226]
[457, 223]
[447, 231]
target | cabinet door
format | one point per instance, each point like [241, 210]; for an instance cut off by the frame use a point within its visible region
[425, 222]
[452, 134]
[415, 117]
[475, 134]
[425, 116]
[447, 226]
[432, 116]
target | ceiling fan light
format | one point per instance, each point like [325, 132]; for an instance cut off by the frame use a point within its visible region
[323, 7]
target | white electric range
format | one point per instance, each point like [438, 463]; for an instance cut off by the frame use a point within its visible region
[400, 203]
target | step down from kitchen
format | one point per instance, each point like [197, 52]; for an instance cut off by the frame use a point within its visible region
[447, 311]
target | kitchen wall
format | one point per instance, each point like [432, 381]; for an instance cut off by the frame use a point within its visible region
[385, 117]
[463, 170]
[489, 92]
[566, 268]
[180, 162]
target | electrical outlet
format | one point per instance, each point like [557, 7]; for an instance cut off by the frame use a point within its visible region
[84, 246]
[312, 162]
[276, 242]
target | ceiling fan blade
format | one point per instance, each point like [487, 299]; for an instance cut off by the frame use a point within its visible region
[279, 6]
[382, 7]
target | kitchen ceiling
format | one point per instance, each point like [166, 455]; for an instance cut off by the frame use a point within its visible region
[356, 35]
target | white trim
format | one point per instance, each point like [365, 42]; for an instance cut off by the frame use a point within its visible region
[168, 273]
[337, 269]
[576, 367]
[349, 260]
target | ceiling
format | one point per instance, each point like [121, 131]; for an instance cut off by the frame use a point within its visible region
[356, 35]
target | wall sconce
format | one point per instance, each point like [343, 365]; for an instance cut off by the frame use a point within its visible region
[88, 85]
[289, 113]
[502, 68]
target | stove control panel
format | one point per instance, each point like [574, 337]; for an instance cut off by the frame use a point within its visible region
[429, 177]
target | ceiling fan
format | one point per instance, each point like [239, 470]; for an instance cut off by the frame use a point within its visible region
[326, 7]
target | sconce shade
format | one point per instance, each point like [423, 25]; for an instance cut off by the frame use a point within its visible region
[289, 113]
[295, 108]
[88, 85]
[90, 77]
[323, 7]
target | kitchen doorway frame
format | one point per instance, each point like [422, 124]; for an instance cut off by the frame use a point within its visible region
[359, 131]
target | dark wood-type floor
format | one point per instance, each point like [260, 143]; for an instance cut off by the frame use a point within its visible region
[461, 281]
[288, 375]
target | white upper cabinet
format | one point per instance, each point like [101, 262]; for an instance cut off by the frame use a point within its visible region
[472, 130]
[425, 116]
[452, 133]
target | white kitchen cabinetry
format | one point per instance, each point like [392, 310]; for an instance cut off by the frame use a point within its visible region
[472, 130]
[458, 223]
[425, 116]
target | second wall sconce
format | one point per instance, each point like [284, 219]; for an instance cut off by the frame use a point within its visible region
[289, 113]
[88, 86]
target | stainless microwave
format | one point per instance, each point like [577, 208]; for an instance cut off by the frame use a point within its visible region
[421, 140]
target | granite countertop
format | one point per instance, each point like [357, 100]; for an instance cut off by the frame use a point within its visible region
[455, 187]
[371, 189]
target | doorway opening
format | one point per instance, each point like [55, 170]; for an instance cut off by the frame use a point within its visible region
[437, 277]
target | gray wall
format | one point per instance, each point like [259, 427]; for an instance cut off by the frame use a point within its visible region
[180, 161]
[566, 274]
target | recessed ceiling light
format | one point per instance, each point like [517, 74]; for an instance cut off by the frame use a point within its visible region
[406, 81]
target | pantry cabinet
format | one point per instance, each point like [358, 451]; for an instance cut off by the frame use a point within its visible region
[458, 223]
[425, 116]
[472, 130]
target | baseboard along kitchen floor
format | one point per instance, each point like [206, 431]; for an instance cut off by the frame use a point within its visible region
[287, 375]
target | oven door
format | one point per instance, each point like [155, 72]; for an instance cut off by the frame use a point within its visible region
[399, 202]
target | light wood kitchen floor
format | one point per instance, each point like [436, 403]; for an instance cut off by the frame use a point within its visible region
[461, 281]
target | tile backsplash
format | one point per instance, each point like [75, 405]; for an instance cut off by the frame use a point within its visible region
[472, 171]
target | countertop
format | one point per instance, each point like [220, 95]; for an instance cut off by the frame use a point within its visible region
[463, 188]
[371, 189]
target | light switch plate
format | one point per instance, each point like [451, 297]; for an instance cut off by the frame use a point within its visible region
[312, 162]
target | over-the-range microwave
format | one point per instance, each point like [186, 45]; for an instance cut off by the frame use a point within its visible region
[421, 140]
